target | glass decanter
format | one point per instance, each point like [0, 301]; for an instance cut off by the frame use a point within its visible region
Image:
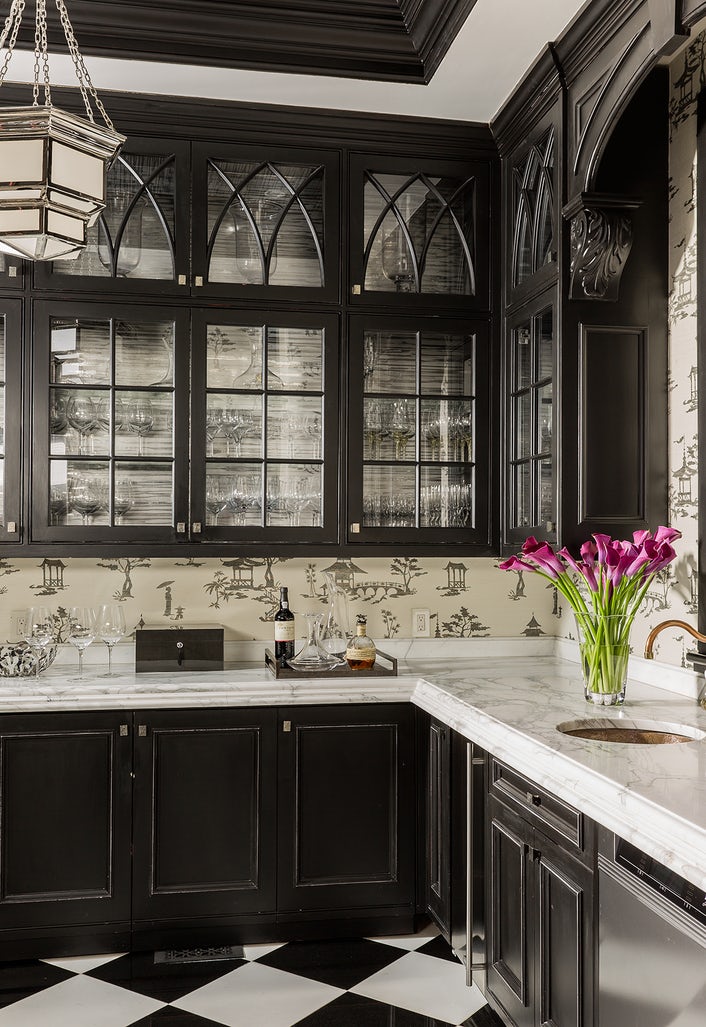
[312, 657]
[335, 628]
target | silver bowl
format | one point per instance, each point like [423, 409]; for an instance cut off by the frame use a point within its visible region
[17, 660]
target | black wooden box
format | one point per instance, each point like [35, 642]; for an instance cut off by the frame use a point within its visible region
[179, 648]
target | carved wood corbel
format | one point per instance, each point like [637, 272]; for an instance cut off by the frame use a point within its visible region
[600, 242]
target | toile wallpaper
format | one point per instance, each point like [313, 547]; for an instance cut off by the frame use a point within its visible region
[465, 599]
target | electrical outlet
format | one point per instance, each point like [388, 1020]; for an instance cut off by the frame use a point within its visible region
[18, 622]
[420, 624]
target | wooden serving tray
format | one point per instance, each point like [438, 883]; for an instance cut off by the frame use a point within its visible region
[384, 666]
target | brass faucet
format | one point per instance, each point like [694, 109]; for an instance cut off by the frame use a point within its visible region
[649, 655]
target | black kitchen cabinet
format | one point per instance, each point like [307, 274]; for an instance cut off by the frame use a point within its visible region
[140, 243]
[419, 438]
[204, 815]
[265, 414]
[156, 828]
[346, 811]
[266, 222]
[437, 861]
[419, 233]
[540, 923]
[110, 423]
[65, 833]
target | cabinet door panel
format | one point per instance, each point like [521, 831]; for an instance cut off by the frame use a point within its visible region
[438, 854]
[139, 244]
[264, 439]
[564, 950]
[204, 808]
[266, 222]
[346, 809]
[64, 820]
[110, 423]
[509, 927]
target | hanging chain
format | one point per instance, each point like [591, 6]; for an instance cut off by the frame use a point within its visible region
[12, 26]
[84, 79]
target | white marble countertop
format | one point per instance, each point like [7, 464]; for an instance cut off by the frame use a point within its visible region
[653, 795]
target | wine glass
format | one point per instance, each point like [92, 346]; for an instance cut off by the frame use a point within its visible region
[123, 499]
[140, 419]
[38, 633]
[86, 497]
[218, 493]
[110, 628]
[81, 630]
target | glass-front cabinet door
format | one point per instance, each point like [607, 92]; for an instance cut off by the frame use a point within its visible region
[265, 426]
[266, 223]
[110, 423]
[531, 498]
[419, 234]
[418, 438]
[140, 241]
[10, 419]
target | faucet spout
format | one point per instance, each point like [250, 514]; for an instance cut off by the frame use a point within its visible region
[649, 644]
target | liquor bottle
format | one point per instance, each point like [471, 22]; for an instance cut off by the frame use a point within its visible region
[360, 653]
[284, 629]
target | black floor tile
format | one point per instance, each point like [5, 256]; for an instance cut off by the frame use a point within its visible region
[24, 978]
[342, 964]
[439, 948]
[357, 1011]
[169, 1016]
[165, 982]
[485, 1017]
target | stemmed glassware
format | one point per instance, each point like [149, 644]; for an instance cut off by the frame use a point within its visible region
[81, 630]
[402, 426]
[86, 497]
[123, 499]
[218, 494]
[110, 628]
[38, 633]
[140, 420]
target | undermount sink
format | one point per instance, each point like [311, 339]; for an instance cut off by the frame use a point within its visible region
[631, 732]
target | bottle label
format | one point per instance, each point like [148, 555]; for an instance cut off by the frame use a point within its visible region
[284, 631]
[363, 652]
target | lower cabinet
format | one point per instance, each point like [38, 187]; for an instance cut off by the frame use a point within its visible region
[205, 824]
[540, 922]
[65, 830]
[188, 827]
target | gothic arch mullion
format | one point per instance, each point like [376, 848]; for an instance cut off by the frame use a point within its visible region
[296, 198]
[545, 187]
[446, 205]
[145, 190]
[523, 216]
[235, 191]
[391, 207]
[112, 249]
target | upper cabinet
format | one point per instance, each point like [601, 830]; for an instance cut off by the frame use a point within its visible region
[532, 249]
[10, 418]
[266, 222]
[419, 233]
[140, 242]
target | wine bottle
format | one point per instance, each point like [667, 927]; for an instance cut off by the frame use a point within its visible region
[284, 629]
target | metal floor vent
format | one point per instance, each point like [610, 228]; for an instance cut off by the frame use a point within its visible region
[199, 955]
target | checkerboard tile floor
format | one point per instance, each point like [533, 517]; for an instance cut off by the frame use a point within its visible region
[412, 981]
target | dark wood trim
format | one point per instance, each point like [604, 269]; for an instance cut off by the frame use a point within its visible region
[692, 11]
[154, 117]
[531, 100]
[393, 40]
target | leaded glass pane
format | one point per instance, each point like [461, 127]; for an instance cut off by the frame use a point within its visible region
[265, 223]
[389, 496]
[446, 497]
[295, 358]
[294, 495]
[390, 361]
[522, 511]
[447, 364]
[80, 351]
[144, 353]
[418, 234]
[134, 235]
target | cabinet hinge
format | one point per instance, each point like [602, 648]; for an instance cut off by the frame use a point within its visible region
[196, 527]
[142, 730]
[123, 730]
[12, 527]
[287, 726]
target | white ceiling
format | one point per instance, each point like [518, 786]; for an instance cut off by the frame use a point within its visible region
[497, 44]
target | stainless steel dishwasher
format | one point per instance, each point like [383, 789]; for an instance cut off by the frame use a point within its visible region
[652, 942]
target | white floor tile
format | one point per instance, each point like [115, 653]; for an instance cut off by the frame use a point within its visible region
[425, 985]
[256, 951]
[79, 1002]
[82, 964]
[410, 941]
[258, 996]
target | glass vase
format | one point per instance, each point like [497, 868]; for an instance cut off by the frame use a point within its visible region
[604, 645]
